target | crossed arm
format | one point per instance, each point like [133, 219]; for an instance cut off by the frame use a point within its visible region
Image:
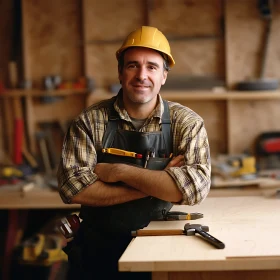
[135, 183]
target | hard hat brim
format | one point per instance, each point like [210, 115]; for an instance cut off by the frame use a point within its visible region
[170, 58]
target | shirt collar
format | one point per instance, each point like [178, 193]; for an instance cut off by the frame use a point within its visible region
[119, 107]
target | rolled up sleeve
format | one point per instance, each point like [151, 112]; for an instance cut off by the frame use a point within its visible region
[194, 177]
[78, 159]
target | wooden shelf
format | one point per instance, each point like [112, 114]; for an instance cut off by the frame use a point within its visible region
[228, 95]
[199, 95]
[40, 92]
[172, 95]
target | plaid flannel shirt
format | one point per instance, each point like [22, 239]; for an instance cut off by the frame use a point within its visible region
[84, 137]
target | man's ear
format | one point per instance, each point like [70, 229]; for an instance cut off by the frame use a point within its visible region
[164, 77]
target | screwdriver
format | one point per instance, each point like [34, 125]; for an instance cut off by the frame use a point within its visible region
[119, 152]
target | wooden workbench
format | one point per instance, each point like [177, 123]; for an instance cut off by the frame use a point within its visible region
[38, 198]
[249, 226]
[12, 197]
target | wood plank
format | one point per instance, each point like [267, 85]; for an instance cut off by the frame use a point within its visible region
[42, 110]
[244, 38]
[248, 120]
[30, 121]
[7, 18]
[52, 37]
[38, 92]
[196, 95]
[197, 49]
[103, 67]
[160, 276]
[229, 275]
[9, 126]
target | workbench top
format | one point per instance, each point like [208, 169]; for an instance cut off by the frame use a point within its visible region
[13, 197]
[249, 226]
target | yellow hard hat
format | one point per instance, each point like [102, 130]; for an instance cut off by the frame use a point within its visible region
[147, 37]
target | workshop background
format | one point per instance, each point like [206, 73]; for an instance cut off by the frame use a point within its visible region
[57, 57]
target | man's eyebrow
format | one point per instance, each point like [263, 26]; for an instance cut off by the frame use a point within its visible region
[132, 62]
[153, 63]
[136, 62]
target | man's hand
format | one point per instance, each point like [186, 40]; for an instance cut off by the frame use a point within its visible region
[107, 172]
[177, 161]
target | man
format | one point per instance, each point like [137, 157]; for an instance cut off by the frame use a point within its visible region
[122, 193]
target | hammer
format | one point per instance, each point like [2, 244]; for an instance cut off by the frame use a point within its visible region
[189, 229]
[192, 229]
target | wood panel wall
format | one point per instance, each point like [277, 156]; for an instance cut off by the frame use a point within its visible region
[194, 29]
[52, 40]
[245, 31]
[209, 38]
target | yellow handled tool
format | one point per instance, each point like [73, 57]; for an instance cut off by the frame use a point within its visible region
[119, 152]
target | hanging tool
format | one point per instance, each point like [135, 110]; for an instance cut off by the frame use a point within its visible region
[262, 83]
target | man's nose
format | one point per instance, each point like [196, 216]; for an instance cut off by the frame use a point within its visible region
[141, 74]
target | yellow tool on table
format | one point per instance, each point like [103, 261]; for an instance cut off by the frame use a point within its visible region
[119, 152]
[244, 164]
[8, 172]
[43, 249]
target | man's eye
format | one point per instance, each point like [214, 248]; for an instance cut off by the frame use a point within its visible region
[131, 66]
[152, 67]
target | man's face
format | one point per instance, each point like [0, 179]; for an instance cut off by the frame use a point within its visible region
[142, 76]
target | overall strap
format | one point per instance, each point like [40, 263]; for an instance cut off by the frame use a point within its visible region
[166, 127]
[112, 126]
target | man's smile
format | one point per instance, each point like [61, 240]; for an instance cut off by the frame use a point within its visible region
[140, 86]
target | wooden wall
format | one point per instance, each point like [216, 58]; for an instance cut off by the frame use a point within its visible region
[220, 39]
[193, 27]
[244, 41]
[52, 40]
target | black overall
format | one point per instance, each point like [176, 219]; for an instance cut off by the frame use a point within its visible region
[106, 231]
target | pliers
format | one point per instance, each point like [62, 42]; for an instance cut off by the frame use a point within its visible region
[178, 215]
